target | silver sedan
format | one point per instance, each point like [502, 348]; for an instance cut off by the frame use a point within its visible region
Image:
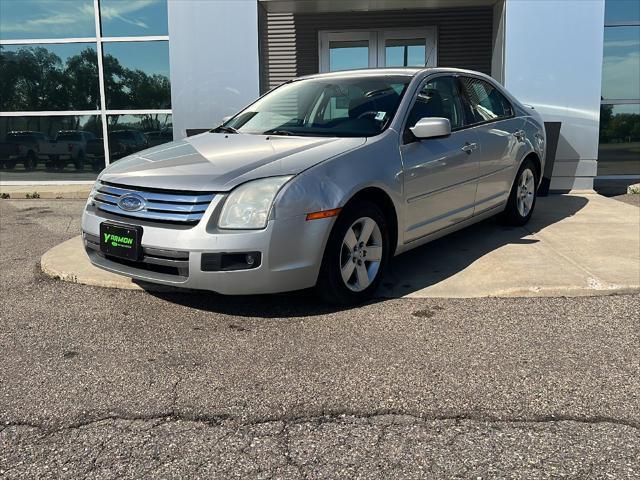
[320, 182]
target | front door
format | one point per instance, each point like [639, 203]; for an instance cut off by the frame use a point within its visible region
[439, 173]
[351, 49]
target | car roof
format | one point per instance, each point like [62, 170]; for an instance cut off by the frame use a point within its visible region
[381, 72]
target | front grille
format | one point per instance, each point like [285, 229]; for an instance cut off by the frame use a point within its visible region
[168, 262]
[185, 208]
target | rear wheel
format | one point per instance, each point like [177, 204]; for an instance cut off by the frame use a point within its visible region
[30, 161]
[355, 256]
[60, 163]
[522, 199]
[79, 161]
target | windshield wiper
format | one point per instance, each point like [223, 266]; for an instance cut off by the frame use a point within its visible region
[278, 132]
[223, 129]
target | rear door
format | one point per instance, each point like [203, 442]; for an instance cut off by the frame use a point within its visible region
[439, 173]
[500, 135]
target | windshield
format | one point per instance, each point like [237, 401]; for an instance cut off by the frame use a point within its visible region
[338, 107]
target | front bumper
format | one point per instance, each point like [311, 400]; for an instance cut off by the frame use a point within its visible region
[291, 253]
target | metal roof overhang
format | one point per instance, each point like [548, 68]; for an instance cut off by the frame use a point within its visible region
[319, 6]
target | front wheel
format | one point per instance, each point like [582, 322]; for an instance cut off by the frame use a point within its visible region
[355, 256]
[522, 199]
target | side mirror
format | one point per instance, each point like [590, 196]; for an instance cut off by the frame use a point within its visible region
[430, 127]
[226, 119]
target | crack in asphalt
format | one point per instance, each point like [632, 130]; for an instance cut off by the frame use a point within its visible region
[171, 415]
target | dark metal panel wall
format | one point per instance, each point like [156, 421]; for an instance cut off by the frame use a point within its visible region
[291, 40]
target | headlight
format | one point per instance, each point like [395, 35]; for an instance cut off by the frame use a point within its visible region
[248, 206]
[92, 194]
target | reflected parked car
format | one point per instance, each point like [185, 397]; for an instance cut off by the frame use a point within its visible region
[121, 144]
[320, 183]
[29, 147]
[95, 154]
[22, 147]
[126, 142]
[76, 145]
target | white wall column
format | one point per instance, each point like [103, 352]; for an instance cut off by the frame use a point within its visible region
[553, 61]
[213, 52]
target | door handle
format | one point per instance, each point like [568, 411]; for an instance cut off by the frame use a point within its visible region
[469, 147]
[520, 135]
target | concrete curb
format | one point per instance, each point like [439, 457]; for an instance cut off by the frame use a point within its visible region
[68, 262]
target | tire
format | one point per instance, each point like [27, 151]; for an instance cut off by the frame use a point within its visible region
[522, 199]
[30, 161]
[346, 249]
[79, 161]
[60, 164]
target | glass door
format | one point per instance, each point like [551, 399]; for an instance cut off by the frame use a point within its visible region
[407, 48]
[347, 50]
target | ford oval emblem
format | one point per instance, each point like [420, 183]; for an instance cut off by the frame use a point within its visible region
[131, 202]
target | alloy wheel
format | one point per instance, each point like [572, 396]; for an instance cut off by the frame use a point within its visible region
[526, 192]
[361, 254]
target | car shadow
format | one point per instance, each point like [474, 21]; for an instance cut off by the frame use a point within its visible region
[424, 266]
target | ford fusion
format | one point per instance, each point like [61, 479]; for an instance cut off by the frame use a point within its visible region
[319, 183]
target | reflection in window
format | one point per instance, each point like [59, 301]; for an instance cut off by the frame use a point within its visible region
[621, 65]
[405, 53]
[619, 151]
[131, 133]
[50, 148]
[616, 11]
[438, 98]
[347, 55]
[137, 75]
[46, 19]
[126, 18]
[49, 77]
[487, 103]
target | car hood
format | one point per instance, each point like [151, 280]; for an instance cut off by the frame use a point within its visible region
[219, 162]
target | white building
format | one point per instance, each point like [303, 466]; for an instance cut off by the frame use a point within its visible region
[222, 54]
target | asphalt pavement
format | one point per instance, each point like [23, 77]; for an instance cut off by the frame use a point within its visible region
[106, 383]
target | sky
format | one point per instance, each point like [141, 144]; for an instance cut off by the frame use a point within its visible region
[32, 19]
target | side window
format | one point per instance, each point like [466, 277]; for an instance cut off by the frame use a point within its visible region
[438, 98]
[487, 103]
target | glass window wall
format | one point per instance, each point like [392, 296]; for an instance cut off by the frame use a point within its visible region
[126, 18]
[137, 75]
[39, 148]
[53, 122]
[35, 19]
[131, 133]
[619, 148]
[49, 77]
